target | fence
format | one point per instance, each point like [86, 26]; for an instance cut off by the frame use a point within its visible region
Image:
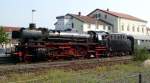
[143, 77]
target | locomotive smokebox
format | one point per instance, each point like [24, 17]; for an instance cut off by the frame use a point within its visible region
[32, 26]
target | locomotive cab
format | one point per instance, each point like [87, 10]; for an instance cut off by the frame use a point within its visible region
[101, 37]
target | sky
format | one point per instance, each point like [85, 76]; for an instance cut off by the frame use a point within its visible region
[18, 13]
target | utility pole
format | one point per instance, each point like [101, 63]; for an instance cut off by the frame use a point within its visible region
[32, 25]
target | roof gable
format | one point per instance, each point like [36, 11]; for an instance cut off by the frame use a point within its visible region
[117, 14]
[88, 19]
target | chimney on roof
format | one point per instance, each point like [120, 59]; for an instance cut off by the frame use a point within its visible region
[107, 9]
[79, 13]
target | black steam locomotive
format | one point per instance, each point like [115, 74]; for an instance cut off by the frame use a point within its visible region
[36, 44]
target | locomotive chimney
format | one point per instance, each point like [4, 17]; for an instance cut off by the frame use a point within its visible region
[107, 9]
[79, 13]
[32, 26]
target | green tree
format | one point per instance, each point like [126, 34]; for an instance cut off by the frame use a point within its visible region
[3, 36]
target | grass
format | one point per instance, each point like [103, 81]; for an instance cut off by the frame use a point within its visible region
[141, 54]
[100, 74]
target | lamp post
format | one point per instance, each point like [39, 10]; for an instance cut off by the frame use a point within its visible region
[32, 25]
[33, 15]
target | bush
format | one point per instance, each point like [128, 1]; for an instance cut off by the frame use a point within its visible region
[141, 54]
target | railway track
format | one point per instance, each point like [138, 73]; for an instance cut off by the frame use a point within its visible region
[7, 60]
[74, 64]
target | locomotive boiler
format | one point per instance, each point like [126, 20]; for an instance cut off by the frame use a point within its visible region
[43, 44]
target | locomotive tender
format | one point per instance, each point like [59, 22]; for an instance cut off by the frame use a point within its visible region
[36, 44]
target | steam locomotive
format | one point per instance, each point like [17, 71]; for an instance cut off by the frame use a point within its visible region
[42, 44]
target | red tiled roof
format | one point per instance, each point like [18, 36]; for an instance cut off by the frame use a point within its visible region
[88, 19]
[121, 15]
[10, 29]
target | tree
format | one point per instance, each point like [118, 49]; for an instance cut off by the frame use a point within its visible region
[3, 37]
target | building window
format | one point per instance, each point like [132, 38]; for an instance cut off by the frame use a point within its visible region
[137, 29]
[89, 26]
[109, 27]
[122, 27]
[146, 40]
[128, 28]
[142, 29]
[72, 25]
[123, 37]
[71, 17]
[105, 16]
[97, 26]
[98, 16]
[133, 28]
[104, 27]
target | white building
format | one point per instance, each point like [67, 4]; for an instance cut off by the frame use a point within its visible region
[80, 23]
[122, 23]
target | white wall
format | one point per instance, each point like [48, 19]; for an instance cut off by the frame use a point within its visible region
[93, 27]
[67, 22]
[126, 26]
[78, 25]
